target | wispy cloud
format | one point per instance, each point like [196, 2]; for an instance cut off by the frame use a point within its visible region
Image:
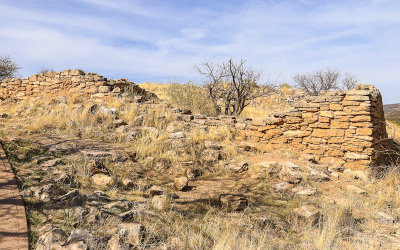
[157, 40]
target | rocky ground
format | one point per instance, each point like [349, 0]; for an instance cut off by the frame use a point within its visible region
[133, 174]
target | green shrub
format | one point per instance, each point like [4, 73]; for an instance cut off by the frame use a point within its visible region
[190, 96]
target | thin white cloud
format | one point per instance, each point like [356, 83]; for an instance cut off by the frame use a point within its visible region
[161, 41]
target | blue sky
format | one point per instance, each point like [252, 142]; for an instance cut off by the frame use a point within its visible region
[160, 41]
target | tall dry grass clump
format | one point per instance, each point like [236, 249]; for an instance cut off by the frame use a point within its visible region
[190, 96]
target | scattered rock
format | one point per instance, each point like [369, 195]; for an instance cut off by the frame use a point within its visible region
[309, 158]
[307, 213]
[69, 195]
[134, 134]
[304, 191]
[212, 145]
[233, 202]
[123, 205]
[156, 190]
[247, 146]
[127, 183]
[289, 175]
[356, 174]
[174, 243]
[118, 123]
[58, 100]
[82, 235]
[272, 167]
[238, 167]
[354, 189]
[103, 181]
[192, 173]
[45, 193]
[52, 163]
[108, 111]
[281, 187]
[51, 240]
[76, 201]
[159, 202]
[384, 217]
[181, 183]
[80, 245]
[176, 135]
[138, 121]
[93, 109]
[131, 233]
[3, 115]
[335, 175]
[318, 176]
[210, 156]
[97, 196]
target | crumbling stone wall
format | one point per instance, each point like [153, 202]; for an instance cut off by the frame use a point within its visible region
[67, 82]
[338, 127]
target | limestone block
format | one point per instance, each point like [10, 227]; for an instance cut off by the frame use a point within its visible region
[328, 114]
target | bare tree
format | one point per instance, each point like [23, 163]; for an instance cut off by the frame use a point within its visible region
[349, 82]
[316, 82]
[232, 86]
[8, 68]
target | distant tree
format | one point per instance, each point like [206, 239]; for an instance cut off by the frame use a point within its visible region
[232, 85]
[316, 82]
[45, 70]
[8, 68]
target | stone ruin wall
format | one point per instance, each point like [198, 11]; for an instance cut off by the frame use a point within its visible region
[338, 127]
[67, 82]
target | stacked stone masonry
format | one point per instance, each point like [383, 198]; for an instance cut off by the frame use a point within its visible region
[68, 82]
[338, 127]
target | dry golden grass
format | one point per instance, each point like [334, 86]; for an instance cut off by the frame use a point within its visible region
[350, 224]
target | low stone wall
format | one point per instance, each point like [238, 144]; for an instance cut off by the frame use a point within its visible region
[338, 127]
[67, 82]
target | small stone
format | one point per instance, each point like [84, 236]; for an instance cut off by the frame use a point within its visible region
[76, 201]
[138, 121]
[385, 217]
[156, 190]
[192, 173]
[177, 135]
[356, 174]
[305, 191]
[118, 123]
[51, 240]
[318, 177]
[287, 174]
[354, 189]
[123, 205]
[307, 213]
[272, 167]
[281, 187]
[212, 145]
[132, 233]
[159, 202]
[103, 181]
[69, 195]
[238, 167]
[127, 183]
[233, 202]
[80, 234]
[181, 183]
